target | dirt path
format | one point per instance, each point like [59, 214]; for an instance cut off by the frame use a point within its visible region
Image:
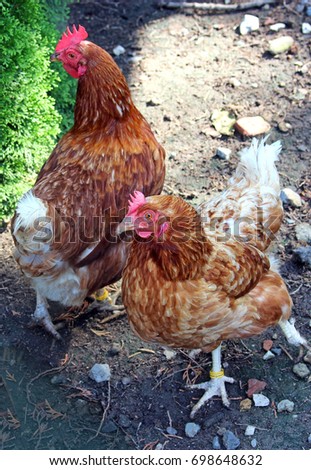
[181, 67]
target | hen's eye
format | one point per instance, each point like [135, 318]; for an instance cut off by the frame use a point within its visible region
[148, 216]
[71, 55]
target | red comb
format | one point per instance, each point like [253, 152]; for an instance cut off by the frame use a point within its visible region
[70, 38]
[136, 200]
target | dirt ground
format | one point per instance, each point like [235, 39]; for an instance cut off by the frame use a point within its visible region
[181, 66]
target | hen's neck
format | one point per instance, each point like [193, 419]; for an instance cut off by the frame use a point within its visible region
[103, 95]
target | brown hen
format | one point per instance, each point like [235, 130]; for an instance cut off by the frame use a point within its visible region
[195, 278]
[64, 227]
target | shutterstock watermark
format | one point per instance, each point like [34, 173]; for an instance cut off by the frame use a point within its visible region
[91, 230]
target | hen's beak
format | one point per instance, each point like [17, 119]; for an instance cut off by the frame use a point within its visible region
[127, 225]
[54, 57]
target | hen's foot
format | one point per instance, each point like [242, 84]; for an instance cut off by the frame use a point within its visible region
[103, 302]
[215, 387]
[293, 336]
[42, 317]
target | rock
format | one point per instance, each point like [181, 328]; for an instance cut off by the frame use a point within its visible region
[126, 380]
[216, 443]
[115, 349]
[223, 121]
[249, 24]
[260, 400]
[169, 354]
[281, 44]
[269, 355]
[277, 27]
[276, 351]
[254, 443]
[285, 405]
[303, 232]
[304, 255]
[223, 153]
[306, 28]
[251, 126]
[245, 404]
[230, 440]
[309, 438]
[192, 429]
[135, 59]
[290, 197]
[267, 344]
[118, 50]
[235, 82]
[250, 430]
[284, 126]
[159, 446]
[255, 386]
[308, 11]
[301, 370]
[124, 421]
[109, 427]
[100, 373]
[58, 379]
[172, 431]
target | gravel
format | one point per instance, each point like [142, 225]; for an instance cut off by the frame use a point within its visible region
[100, 373]
[230, 440]
[192, 429]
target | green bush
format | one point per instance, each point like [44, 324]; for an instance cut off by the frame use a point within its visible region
[30, 96]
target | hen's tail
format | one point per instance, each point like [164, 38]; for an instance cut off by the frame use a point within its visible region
[33, 227]
[257, 166]
[251, 207]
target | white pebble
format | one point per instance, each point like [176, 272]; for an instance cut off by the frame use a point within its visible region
[118, 50]
[288, 196]
[250, 430]
[223, 153]
[191, 429]
[100, 373]
[249, 23]
[306, 28]
[268, 355]
[254, 443]
[277, 26]
[260, 399]
[285, 405]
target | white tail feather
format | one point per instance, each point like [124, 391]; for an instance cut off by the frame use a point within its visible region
[29, 209]
[257, 164]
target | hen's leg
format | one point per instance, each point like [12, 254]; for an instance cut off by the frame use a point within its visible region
[216, 386]
[104, 302]
[42, 317]
[292, 335]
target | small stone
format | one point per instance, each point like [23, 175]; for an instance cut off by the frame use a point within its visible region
[285, 405]
[115, 349]
[235, 82]
[216, 443]
[290, 197]
[281, 44]
[230, 440]
[245, 404]
[223, 153]
[249, 24]
[126, 380]
[109, 427]
[260, 400]
[303, 232]
[118, 50]
[159, 446]
[308, 11]
[301, 370]
[135, 59]
[192, 429]
[254, 443]
[277, 27]
[58, 380]
[172, 431]
[269, 355]
[250, 430]
[304, 254]
[284, 127]
[169, 354]
[267, 344]
[309, 438]
[100, 373]
[251, 126]
[306, 28]
[307, 357]
[277, 351]
[255, 386]
[124, 421]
